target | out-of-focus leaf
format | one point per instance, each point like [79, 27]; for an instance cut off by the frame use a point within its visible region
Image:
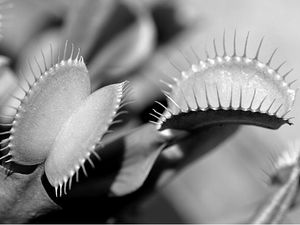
[8, 81]
[116, 42]
[196, 145]
[138, 160]
[90, 24]
[8, 84]
[25, 20]
[128, 51]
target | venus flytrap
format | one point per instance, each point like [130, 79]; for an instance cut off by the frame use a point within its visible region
[227, 89]
[58, 122]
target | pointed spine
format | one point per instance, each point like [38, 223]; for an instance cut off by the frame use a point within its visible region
[259, 48]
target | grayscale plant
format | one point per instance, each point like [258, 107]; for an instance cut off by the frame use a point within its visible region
[71, 117]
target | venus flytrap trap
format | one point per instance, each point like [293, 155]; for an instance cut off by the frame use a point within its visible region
[58, 122]
[41, 113]
[227, 89]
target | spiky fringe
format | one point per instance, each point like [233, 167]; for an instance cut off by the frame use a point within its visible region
[44, 71]
[225, 59]
[123, 96]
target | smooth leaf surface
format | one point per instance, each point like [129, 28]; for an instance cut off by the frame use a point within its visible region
[81, 133]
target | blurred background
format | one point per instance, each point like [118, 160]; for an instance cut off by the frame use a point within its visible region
[136, 40]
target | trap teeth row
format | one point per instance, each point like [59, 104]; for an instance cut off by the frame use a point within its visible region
[229, 83]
